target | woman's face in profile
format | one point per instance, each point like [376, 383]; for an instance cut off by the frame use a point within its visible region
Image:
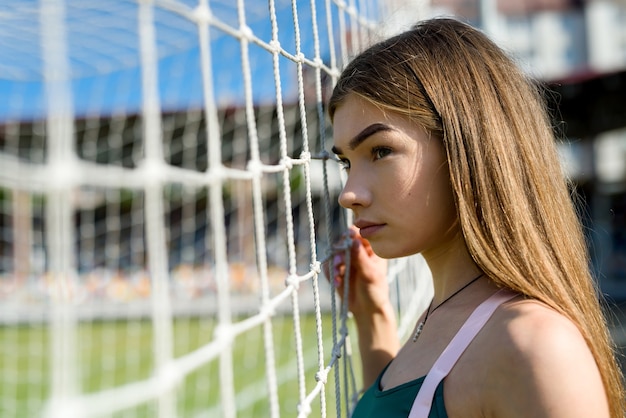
[397, 180]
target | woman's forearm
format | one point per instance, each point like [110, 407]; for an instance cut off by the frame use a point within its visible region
[378, 342]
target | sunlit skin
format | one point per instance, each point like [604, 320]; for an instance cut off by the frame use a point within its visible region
[397, 176]
[398, 189]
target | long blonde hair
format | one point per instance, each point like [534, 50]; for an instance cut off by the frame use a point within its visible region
[512, 198]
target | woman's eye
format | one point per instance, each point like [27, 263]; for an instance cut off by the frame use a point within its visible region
[380, 152]
[344, 163]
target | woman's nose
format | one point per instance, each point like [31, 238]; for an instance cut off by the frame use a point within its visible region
[354, 193]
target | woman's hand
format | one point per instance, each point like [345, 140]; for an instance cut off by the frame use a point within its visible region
[368, 300]
[368, 290]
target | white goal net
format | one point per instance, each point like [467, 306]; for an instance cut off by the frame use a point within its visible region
[166, 204]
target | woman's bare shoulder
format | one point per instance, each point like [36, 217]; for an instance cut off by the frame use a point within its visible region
[529, 327]
[539, 365]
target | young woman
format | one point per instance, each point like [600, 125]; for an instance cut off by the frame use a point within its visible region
[450, 154]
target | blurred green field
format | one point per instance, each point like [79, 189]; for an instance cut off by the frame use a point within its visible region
[111, 353]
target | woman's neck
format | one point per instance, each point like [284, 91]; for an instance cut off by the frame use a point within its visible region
[451, 266]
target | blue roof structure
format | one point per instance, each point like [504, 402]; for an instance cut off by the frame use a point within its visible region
[104, 55]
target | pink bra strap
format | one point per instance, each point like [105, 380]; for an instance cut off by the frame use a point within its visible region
[454, 350]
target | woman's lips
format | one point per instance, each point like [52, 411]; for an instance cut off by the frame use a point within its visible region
[368, 229]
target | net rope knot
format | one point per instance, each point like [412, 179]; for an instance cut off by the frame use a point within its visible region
[62, 175]
[305, 156]
[293, 281]
[246, 33]
[304, 409]
[168, 376]
[275, 46]
[153, 171]
[215, 175]
[287, 162]
[202, 14]
[322, 376]
[268, 310]
[337, 351]
[224, 334]
[316, 267]
[323, 155]
[255, 167]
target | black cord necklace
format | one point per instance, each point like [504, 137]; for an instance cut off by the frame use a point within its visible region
[420, 326]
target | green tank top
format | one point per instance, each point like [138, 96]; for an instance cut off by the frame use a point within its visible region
[396, 402]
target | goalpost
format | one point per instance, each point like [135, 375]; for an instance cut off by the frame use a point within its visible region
[167, 201]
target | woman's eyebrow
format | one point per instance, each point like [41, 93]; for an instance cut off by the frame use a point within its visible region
[363, 135]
